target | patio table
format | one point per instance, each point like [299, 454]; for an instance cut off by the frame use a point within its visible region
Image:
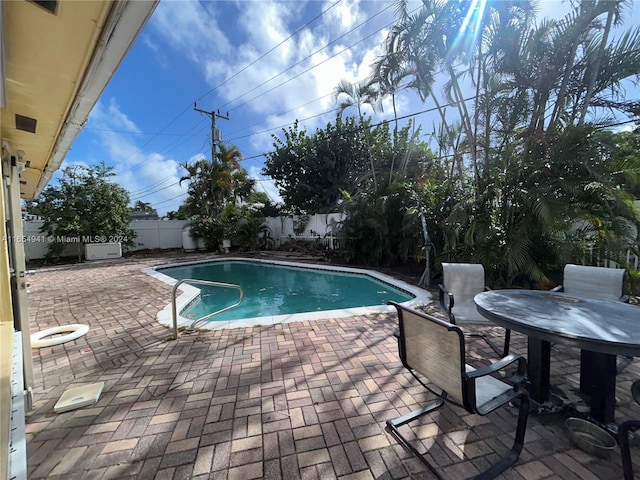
[602, 329]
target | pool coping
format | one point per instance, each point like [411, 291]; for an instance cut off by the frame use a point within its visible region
[191, 293]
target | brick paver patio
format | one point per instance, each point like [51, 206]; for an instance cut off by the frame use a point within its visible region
[304, 400]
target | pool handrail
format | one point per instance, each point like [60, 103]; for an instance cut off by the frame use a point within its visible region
[174, 307]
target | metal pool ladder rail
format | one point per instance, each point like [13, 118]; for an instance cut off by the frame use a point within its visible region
[174, 308]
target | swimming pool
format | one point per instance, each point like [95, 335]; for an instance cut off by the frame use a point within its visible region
[281, 292]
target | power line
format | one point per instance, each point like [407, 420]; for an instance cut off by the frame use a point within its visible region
[171, 199]
[307, 58]
[176, 143]
[169, 177]
[314, 116]
[277, 115]
[404, 117]
[193, 157]
[311, 68]
[154, 136]
[271, 50]
[283, 126]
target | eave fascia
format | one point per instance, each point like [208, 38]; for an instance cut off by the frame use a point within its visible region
[126, 21]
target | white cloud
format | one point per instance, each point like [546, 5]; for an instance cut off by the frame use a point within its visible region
[228, 43]
[192, 28]
[111, 116]
[280, 87]
[149, 177]
[345, 15]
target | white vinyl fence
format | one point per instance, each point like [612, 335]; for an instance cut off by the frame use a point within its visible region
[166, 234]
[151, 234]
[320, 227]
[158, 234]
[592, 257]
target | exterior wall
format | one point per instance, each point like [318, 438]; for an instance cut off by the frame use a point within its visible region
[6, 341]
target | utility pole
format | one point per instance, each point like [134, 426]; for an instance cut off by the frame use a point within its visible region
[215, 133]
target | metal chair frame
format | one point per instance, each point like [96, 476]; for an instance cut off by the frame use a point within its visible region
[623, 435]
[459, 285]
[434, 349]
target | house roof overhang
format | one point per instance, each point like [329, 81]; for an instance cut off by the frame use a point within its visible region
[54, 66]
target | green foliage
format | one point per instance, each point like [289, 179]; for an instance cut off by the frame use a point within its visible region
[625, 150]
[84, 205]
[179, 214]
[528, 181]
[252, 234]
[383, 228]
[331, 171]
[534, 216]
[212, 184]
[243, 225]
[141, 206]
[300, 223]
[222, 202]
[527, 178]
[212, 230]
[311, 172]
[316, 174]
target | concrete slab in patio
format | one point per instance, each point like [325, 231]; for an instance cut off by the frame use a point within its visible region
[301, 400]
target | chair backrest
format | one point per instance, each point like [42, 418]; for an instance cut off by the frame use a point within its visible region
[433, 348]
[464, 281]
[594, 282]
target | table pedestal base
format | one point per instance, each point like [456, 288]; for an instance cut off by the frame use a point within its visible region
[539, 369]
[598, 380]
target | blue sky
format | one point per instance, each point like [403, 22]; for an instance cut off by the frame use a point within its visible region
[264, 62]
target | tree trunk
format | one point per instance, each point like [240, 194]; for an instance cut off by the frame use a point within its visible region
[596, 68]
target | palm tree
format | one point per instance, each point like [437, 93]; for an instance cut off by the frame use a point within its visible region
[211, 184]
[457, 39]
[141, 206]
[388, 74]
[531, 82]
[229, 158]
[357, 95]
[614, 13]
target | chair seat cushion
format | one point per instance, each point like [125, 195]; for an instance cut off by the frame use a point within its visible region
[488, 388]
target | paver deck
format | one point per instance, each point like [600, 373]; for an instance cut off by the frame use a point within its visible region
[304, 400]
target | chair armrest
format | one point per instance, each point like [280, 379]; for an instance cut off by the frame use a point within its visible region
[517, 378]
[559, 288]
[446, 299]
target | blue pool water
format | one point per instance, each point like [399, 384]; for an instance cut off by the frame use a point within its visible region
[271, 289]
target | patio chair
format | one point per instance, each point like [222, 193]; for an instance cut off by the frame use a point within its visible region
[595, 282]
[434, 349]
[461, 282]
[623, 435]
